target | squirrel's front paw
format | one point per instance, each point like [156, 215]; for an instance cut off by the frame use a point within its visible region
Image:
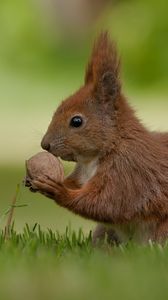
[28, 183]
[48, 187]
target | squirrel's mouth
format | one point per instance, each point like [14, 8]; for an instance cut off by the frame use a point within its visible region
[68, 157]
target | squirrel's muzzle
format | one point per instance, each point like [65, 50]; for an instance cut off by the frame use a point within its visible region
[45, 144]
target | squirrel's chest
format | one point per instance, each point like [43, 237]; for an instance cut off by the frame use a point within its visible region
[87, 170]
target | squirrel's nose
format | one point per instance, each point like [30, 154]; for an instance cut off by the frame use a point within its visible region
[45, 145]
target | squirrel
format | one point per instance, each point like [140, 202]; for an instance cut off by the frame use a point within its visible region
[121, 175]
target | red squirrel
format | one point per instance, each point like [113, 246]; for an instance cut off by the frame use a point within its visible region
[121, 174]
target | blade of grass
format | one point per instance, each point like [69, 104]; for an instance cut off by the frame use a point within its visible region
[11, 212]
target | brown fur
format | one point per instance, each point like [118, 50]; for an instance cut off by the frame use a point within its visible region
[121, 175]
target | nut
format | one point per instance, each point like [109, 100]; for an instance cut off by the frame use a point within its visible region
[43, 163]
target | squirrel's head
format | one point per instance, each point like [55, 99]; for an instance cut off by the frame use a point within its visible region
[81, 126]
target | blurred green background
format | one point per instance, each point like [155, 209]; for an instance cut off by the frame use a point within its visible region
[44, 46]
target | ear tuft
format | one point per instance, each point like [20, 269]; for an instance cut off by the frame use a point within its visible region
[104, 65]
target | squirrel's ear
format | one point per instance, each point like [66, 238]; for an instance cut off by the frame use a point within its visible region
[104, 66]
[108, 85]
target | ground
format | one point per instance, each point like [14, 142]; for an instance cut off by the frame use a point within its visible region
[47, 265]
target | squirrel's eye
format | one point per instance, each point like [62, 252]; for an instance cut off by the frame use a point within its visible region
[76, 121]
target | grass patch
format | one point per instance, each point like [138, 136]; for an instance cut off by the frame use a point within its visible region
[46, 265]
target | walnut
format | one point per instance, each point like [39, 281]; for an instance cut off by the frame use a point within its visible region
[43, 163]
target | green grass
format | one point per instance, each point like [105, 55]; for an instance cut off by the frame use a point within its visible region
[47, 265]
